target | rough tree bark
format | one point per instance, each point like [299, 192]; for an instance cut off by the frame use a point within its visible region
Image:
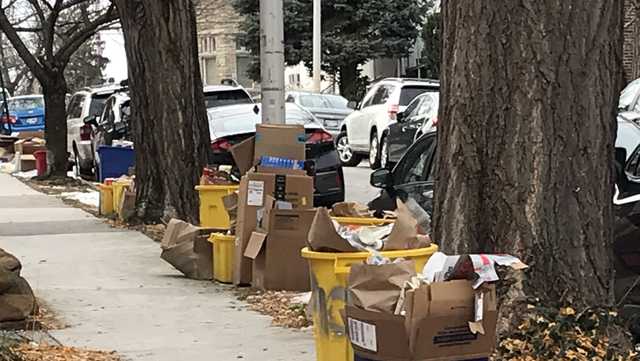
[526, 140]
[170, 126]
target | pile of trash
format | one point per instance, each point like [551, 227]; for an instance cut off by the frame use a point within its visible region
[18, 151]
[446, 311]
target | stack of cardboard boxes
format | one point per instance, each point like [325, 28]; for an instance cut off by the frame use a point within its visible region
[275, 211]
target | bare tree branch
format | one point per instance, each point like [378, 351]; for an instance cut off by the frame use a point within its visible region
[75, 41]
[17, 43]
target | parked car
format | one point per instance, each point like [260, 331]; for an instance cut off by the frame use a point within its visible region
[231, 125]
[113, 124]
[420, 117]
[223, 95]
[26, 113]
[413, 177]
[328, 108]
[86, 103]
[364, 130]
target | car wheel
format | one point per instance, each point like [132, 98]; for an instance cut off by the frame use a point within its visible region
[374, 151]
[346, 155]
[384, 153]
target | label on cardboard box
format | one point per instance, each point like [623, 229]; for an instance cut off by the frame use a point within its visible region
[255, 193]
[363, 335]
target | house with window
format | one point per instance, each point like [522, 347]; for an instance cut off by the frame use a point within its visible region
[219, 43]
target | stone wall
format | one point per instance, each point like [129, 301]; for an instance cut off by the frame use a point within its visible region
[218, 32]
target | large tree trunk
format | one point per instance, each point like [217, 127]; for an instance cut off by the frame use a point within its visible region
[170, 126]
[526, 140]
[54, 89]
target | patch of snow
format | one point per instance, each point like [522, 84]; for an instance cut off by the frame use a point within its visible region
[27, 175]
[88, 198]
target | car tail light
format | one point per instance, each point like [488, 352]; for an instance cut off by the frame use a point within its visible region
[85, 132]
[10, 119]
[319, 136]
[434, 122]
[393, 111]
[220, 145]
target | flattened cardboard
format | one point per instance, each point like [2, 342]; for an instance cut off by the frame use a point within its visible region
[298, 190]
[242, 154]
[275, 250]
[278, 140]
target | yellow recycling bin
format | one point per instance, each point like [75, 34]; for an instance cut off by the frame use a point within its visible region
[212, 211]
[329, 272]
[363, 221]
[118, 189]
[223, 253]
[106, 199]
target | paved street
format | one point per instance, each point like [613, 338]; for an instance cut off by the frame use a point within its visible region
[113, 290]
[357, 183]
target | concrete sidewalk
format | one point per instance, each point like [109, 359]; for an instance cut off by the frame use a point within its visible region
[113, 290]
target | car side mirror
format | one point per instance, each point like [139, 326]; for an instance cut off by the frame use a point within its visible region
[381, 178]
[352, 105]
[91, 120]
[401, 117]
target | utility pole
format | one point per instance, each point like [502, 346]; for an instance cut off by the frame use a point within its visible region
[5, 103]
[272, 61]
[317, 45]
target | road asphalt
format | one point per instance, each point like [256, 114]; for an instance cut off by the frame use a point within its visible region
[115, 293]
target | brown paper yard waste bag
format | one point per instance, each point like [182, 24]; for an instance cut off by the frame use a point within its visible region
[377, 288]
[323, 236]
[185, 248]
[404, 234]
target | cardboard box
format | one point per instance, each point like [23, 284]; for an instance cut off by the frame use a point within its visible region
[254, 187]
[278, 140]
[275, 250]
[27, 163]
[436, 325]
[29, 146]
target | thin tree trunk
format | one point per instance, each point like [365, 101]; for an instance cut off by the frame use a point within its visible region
[170, 126]
[54, 90]
[526, 140]
[349, 81]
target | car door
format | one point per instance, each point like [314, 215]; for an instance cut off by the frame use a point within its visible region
[626, 203]
[357, 122]
[413, 177]
[401, 133]
[74, 120]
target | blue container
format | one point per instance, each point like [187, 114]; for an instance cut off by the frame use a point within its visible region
[114, 161]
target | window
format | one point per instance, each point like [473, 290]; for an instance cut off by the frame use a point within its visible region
[633, 166]
[336, 101]
[383, 94]
[426, 105]
[413, 108]
[97, 104]
[368, 99]
[313, 101]
[75, 106]
[408, 93]
[417, 165]
[222, 98]
[207, 44]
[24, 104]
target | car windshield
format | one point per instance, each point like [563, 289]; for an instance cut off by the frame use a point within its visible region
[337, 102]
[408, 93]
[295, 115]
[22, 104]
[628, 93]
[97, 104]
[227, 97]
[628, 136]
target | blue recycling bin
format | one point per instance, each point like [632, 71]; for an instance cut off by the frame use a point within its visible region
[114, 162]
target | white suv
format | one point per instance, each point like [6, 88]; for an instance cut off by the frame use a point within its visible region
[85, 103]
[363, 130]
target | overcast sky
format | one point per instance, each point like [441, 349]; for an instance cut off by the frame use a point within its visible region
[114, 50]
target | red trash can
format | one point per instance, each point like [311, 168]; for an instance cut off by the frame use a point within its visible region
[41, 162]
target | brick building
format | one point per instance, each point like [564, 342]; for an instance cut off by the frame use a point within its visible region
[631, 52]
[221, 55]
